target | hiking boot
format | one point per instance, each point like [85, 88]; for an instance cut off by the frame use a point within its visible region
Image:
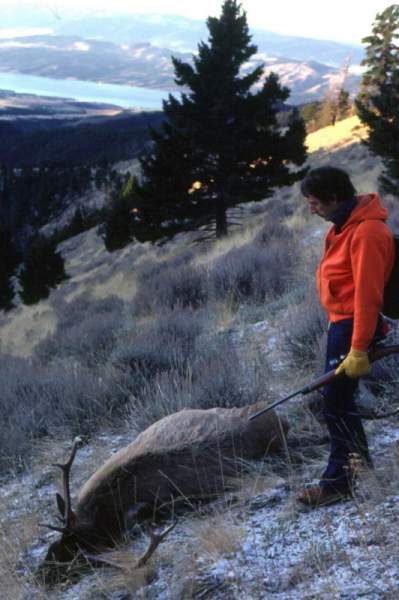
[317, 495]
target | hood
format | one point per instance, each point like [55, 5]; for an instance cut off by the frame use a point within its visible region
[369, 207]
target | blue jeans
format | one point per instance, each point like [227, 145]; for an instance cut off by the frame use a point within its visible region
[341, 414]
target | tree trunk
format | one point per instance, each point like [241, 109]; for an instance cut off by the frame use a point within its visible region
[221, 220]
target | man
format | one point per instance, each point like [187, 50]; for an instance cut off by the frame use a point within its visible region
[355, 266]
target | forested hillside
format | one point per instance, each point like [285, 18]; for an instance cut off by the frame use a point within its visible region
[38, 142]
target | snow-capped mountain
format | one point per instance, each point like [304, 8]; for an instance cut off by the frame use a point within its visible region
[143, 64]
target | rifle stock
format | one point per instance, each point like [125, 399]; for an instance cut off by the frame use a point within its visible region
[374, 355]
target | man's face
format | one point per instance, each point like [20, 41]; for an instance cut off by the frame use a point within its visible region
[325, 210]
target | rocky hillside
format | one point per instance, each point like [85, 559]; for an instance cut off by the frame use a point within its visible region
[68, 366]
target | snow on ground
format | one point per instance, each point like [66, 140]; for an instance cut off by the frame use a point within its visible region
[266, 545]
[347, 551]
[279, 550]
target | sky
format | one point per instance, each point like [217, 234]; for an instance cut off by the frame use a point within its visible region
[339, 20]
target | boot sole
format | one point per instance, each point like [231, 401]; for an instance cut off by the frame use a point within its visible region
[333, 499]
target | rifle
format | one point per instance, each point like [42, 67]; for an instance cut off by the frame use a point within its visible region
[328, 377]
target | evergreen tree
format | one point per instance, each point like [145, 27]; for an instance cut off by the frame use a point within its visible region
[221, 143]
[378, 101]
[343, 104]
[121, 218]
[81, 221]
[336, 108]
[327, 113]
[43, 269]
[310, 114]
[11, 258]
[78, 223]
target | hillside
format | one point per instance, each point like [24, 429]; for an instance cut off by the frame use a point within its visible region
[131, 53]
[169, 31]
[83, 140]
[86, 257]
[141, 333]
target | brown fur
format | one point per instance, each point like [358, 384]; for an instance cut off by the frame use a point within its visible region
[185, 456]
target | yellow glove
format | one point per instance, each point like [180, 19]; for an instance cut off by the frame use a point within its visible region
[355, 364]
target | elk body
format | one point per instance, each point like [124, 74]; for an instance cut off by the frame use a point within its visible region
[184, 456]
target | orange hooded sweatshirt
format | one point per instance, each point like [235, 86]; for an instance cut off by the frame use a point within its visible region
[355, 267]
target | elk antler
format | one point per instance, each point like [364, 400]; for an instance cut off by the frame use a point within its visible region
[155, 540]
[65, 504]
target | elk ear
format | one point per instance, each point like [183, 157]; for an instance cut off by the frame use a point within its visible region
[60, 504]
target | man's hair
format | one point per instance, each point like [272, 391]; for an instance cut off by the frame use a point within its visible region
[328, 184]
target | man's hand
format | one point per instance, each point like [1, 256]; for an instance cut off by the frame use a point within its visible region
[355, 364]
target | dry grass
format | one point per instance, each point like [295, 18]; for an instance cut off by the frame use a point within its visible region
[16, 536]
[220, 247]
[330, 564]
[217, 536]
[297, 222]
[256, 483]
[225, 314]
[337, 136]
[120, 577]
[24, 327]
[374, 486]
[221, 534]
[92, 268]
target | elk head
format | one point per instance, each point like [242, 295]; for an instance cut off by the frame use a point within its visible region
[80, 539]
[77, 537]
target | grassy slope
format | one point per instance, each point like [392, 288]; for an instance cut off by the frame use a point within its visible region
[93, 271]
[267, 540]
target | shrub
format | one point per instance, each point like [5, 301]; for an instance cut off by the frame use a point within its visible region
[43, 269]
[162, 345]
[37, 401]
[216, 376]
[169, 285]
[305, 332]
[82, 221]
[10, 260]
[17, 414]
[256, 271]
[87, 330]
[272, 229]
[223, 376]
[164, 394]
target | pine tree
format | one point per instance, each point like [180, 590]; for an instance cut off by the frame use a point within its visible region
[343, 104]
[327, 113]
[43, 269]
[221, 143]
[11, 258]
[378, 101]
[310, 114]
[121, 217]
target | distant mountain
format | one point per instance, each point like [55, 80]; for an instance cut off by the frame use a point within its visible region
[32, 106]
[143, 64]
[183, 34]
[64, 57]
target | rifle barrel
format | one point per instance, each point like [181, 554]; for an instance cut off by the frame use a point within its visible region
[275, 404]
[321, 381]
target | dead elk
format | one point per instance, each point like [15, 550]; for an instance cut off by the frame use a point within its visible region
[183, 457]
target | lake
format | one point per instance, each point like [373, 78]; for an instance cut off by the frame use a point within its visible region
[85, 91]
